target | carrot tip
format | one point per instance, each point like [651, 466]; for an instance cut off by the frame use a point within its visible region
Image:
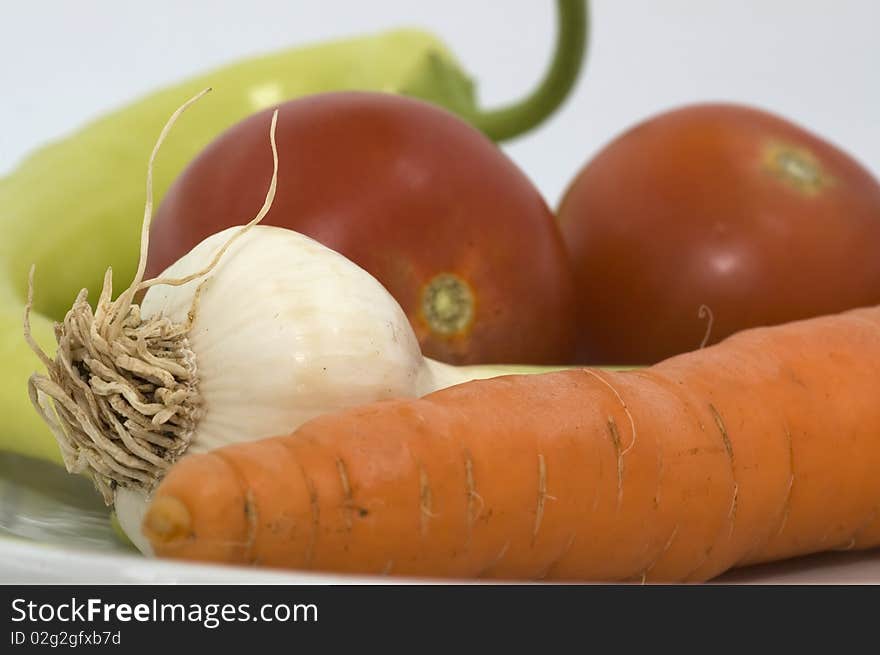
[167, 520]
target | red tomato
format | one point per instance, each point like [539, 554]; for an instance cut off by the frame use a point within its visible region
[424, 202]
[717, 205]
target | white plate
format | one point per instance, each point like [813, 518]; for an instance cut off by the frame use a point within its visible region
[55, 529]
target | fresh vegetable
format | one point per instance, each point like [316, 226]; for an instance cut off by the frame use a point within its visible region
[422, 201]
[719, 205]
[253, 332]
[71, 208]
[96, 172]
[760, 448]
[22, 432]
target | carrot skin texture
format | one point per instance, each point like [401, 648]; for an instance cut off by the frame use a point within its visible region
[219, 498]
[762, 447]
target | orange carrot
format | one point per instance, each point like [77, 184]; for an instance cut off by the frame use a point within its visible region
[763, 447]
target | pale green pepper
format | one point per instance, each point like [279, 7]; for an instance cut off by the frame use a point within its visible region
[74, 207]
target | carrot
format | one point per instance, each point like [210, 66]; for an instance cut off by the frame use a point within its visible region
[763, 447]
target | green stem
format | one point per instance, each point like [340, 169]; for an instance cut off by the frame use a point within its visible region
[439, 375]
[504, 123]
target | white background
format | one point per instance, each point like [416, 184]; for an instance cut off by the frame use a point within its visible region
[816, 62]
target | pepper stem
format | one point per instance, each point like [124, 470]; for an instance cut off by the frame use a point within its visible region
[507, 122]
